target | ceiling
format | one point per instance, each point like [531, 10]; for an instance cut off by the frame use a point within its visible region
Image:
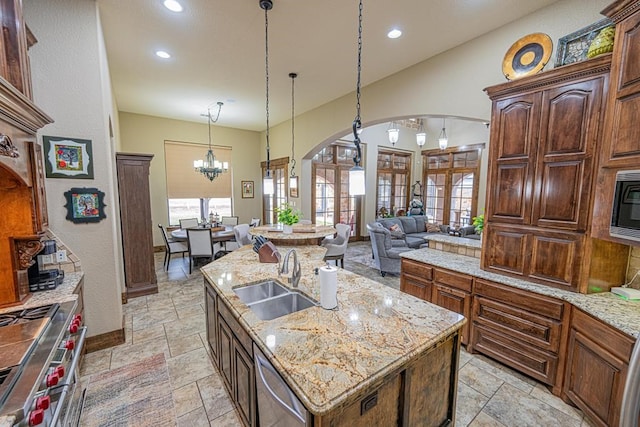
[218, 50]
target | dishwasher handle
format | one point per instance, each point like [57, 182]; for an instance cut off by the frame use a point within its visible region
[263, 363]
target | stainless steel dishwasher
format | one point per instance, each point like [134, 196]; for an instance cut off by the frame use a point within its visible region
[278, 406]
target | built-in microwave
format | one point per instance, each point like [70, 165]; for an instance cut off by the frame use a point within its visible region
[625, 216]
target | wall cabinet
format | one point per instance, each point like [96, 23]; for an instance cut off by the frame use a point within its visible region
[597, 362]
[541, 179]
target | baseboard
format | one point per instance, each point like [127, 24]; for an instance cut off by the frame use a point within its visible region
[106, 340]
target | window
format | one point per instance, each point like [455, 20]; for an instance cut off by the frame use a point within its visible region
[393, 181]
[451, 184]
[280, 188]
[330, 175]
[189, 193]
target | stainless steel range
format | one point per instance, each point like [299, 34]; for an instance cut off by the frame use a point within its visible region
[40, 349]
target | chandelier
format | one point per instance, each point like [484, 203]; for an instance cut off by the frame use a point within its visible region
[210, 167]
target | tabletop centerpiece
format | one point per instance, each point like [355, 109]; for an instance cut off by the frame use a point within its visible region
[287, 216]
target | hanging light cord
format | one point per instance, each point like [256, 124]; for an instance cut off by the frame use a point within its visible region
[293, 134]
[266, 50]
[357, 123]
[210, 120]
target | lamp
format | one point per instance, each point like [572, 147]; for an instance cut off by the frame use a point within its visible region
[293, 179]
[267, 182]
[394, 132]
[356, 173]
[210, 167]
[442, 139]
[421, 136]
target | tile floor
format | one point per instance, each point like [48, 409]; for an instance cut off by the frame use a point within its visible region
[173, 322]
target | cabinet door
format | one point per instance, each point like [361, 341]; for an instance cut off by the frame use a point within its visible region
[415, 279]
[225, 354]
[244, 389]
[513, 140]
[454, 300]
[556, 258]
[505, 249]
[212, 322]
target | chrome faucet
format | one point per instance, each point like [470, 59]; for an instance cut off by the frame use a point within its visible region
[296, 272]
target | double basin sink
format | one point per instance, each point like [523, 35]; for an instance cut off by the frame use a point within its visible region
[270, 300]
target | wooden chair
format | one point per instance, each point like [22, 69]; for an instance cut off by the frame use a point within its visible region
[171, 247]
[200, 246]
[189, 223]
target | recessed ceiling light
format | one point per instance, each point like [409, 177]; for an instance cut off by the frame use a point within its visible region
[162, 54]
[173, 5]
[394, 34]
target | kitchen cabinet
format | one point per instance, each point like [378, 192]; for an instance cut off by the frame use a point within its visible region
[541, 179]
[597, 362]
[135, 223]
[212, 323]
[416, 279]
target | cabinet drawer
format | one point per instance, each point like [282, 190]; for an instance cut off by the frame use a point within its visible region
[529, 301]
[527, 359]
[455, 280]
[239, 333]
[418, 269]
[418, 288]
[539, 331]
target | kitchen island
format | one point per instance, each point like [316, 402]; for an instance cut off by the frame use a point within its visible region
[381, 358]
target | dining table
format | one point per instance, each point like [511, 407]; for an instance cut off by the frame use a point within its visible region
[220, 235]
[302, 234]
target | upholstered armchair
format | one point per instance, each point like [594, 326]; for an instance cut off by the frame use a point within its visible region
[337, 246]
[385, 253]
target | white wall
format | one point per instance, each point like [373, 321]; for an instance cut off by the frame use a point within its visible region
[71, 83]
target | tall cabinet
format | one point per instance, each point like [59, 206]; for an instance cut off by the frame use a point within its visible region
[545, 131]
[136, 224]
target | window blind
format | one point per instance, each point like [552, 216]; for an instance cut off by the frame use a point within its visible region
[183, 182]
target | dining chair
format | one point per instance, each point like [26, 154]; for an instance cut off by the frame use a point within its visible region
[337, 246]
[200, 246]
[171, 247]
[242, 234]
[189, 223]
[229, 220]
[255, 222]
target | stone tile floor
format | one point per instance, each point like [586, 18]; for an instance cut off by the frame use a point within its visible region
[173, 322]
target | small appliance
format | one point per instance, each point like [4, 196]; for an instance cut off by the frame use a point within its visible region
[625, 215]
[41, 279]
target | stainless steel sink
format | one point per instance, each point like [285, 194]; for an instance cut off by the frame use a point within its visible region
[288, 303]
[260, 291]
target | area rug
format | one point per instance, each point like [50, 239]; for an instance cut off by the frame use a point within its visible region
[138, 394]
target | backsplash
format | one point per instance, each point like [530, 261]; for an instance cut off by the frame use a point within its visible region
[72, 264]
[634, 267]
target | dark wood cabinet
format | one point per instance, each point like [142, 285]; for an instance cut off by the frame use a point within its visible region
[244, 378]
[136, 225]
[225, 354]
[41, 218]
[416, 279]
[212, 322]
[542, 168]
[597, 363]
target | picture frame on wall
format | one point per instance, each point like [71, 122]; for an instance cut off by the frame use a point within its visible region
[66, 157]
[247, 189]
[574, 47]
[85, 205]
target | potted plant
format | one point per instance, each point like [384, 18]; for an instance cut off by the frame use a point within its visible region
[287, 216]
[478, 223]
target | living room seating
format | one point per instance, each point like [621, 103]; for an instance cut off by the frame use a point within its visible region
[411, 229]
[386, 256]
[337, 246]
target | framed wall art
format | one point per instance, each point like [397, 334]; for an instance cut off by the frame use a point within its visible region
[574, 47]
[85, 205]
[247, 189]
[67, 157]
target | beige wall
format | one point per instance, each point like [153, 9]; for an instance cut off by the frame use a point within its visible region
[146, 134]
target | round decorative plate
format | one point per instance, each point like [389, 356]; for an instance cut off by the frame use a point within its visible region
[527, 56]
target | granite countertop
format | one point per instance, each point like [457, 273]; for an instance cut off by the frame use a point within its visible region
[300, 231]
[331, 356]
[621, 314]
[62, 293]
[455, 240]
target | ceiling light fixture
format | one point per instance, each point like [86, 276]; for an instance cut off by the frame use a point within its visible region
[443, 141]
[394, 132]
[421, 135]
[394, 33]
[210, 167]
[173, 5]
[293, 179]
[162, 54]
[267, 181]
[356, 173]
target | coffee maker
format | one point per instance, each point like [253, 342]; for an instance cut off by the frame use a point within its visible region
[40, 278]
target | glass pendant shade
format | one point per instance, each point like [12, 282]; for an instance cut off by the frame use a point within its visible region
[394, 132]
[356, 181]
[421, 135]
[443, 141]
[267, 185]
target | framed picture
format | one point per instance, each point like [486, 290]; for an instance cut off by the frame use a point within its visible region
[85, 205]
[247, 189]
[67, 157]
[293, 186]
[573, 47]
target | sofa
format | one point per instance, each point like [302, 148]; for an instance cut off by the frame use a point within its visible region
[412, 229]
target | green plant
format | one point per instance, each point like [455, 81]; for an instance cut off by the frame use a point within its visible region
[287, 214]
[478, 223]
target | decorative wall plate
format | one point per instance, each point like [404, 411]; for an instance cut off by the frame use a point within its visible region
[527, 56]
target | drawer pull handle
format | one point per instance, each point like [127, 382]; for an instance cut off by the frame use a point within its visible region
[368, 403]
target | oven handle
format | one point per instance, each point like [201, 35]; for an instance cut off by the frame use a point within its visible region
[71, 374]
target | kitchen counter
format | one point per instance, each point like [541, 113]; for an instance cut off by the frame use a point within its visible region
[330, 357]
[62, 293]
[621, 314]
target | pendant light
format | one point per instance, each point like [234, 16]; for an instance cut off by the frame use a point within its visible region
[267, 182]
[210, 167]
[356, 173]
[421, 135]
[442, 139]
[293, 179]
[393, 132]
